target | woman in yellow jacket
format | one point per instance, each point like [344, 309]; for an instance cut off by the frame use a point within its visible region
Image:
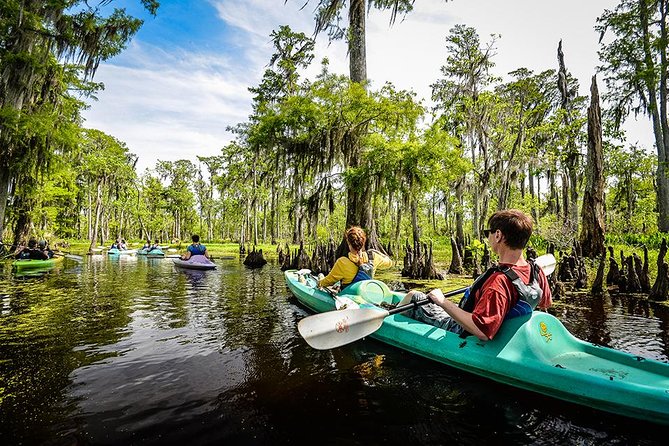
[358, 265]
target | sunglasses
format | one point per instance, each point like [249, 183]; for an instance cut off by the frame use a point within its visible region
[487, 232]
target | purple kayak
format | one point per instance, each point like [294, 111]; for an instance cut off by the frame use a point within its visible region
[195, 262]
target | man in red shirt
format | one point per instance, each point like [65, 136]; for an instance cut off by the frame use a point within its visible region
[508, 234]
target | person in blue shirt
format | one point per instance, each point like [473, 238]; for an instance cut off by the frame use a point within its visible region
[147, 245]
[195, 249]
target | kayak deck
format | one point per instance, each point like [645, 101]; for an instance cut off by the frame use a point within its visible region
[195, 263]
[535, 352]
[34, 264]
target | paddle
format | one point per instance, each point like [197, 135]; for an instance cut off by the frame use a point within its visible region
[341, 302]
[336, 328]
[67, 255]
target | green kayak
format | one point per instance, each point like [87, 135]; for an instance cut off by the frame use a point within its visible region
[36, 264]
[533, 352]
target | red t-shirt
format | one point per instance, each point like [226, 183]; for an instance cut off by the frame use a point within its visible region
[498, 295]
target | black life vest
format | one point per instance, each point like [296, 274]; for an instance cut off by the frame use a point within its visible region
[529, 295]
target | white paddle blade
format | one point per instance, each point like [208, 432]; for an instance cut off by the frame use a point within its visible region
[547, 263]
[336, 328]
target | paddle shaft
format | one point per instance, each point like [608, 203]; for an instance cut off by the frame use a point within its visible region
[339, 301]
[411, 305]
[546, 262]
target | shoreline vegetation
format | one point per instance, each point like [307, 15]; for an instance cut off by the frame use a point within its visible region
[442, 258]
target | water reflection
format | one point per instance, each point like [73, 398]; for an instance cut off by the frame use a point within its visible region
[136, 351]
[626, 322]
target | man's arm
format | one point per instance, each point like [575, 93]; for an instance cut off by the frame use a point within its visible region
[462, 317]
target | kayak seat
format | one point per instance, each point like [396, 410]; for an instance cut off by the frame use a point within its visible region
[372, 291]
[539, 334]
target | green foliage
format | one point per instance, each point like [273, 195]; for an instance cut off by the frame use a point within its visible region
[651, 241]
[310, 145]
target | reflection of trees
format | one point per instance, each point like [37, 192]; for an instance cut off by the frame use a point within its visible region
[619, 321]
[586, 316]
[50, 319]
[165, 303]
[662, 314]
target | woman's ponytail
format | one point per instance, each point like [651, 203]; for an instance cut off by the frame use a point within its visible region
[356, 238]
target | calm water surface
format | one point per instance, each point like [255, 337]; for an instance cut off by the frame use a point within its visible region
[135, 351]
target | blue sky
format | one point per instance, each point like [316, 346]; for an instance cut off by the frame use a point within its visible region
[184, 78]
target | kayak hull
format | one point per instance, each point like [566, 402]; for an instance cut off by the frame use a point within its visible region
[36, 264]
[123, 252]
[198, 265]
[155, 254]
[534, 352]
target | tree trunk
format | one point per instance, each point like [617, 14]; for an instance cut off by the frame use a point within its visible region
[273, 212]
[356, 45]
[459, 214]
[23, 222]
[398, 223]
[358, 200]
[570, 180]
[663, 143]
[592, 228]
[254, 203]
[264, 221]
[414, 221]
[5, 180]
[98, 212]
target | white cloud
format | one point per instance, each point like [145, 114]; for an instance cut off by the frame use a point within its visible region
[168, 104]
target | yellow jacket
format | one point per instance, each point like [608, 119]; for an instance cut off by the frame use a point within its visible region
[345, 268]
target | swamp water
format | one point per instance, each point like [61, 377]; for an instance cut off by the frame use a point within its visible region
[132, 350]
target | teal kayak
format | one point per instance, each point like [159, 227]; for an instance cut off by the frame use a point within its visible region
[142, 252]
[155, 253]
[36, 264]
[115, 252]
[533, 352]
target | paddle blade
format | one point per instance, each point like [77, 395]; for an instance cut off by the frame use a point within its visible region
[547, 263]
[336, 328]
[76, 258]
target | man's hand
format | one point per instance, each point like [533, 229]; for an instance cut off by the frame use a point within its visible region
[437, 297]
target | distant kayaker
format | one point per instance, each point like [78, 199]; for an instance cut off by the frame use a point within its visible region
[195, 249]
[147, 245]
[155, 245]
[493, 296]
[116, 244]
[30, 252]
[44, 247]
[359, 264]
[123, 245]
